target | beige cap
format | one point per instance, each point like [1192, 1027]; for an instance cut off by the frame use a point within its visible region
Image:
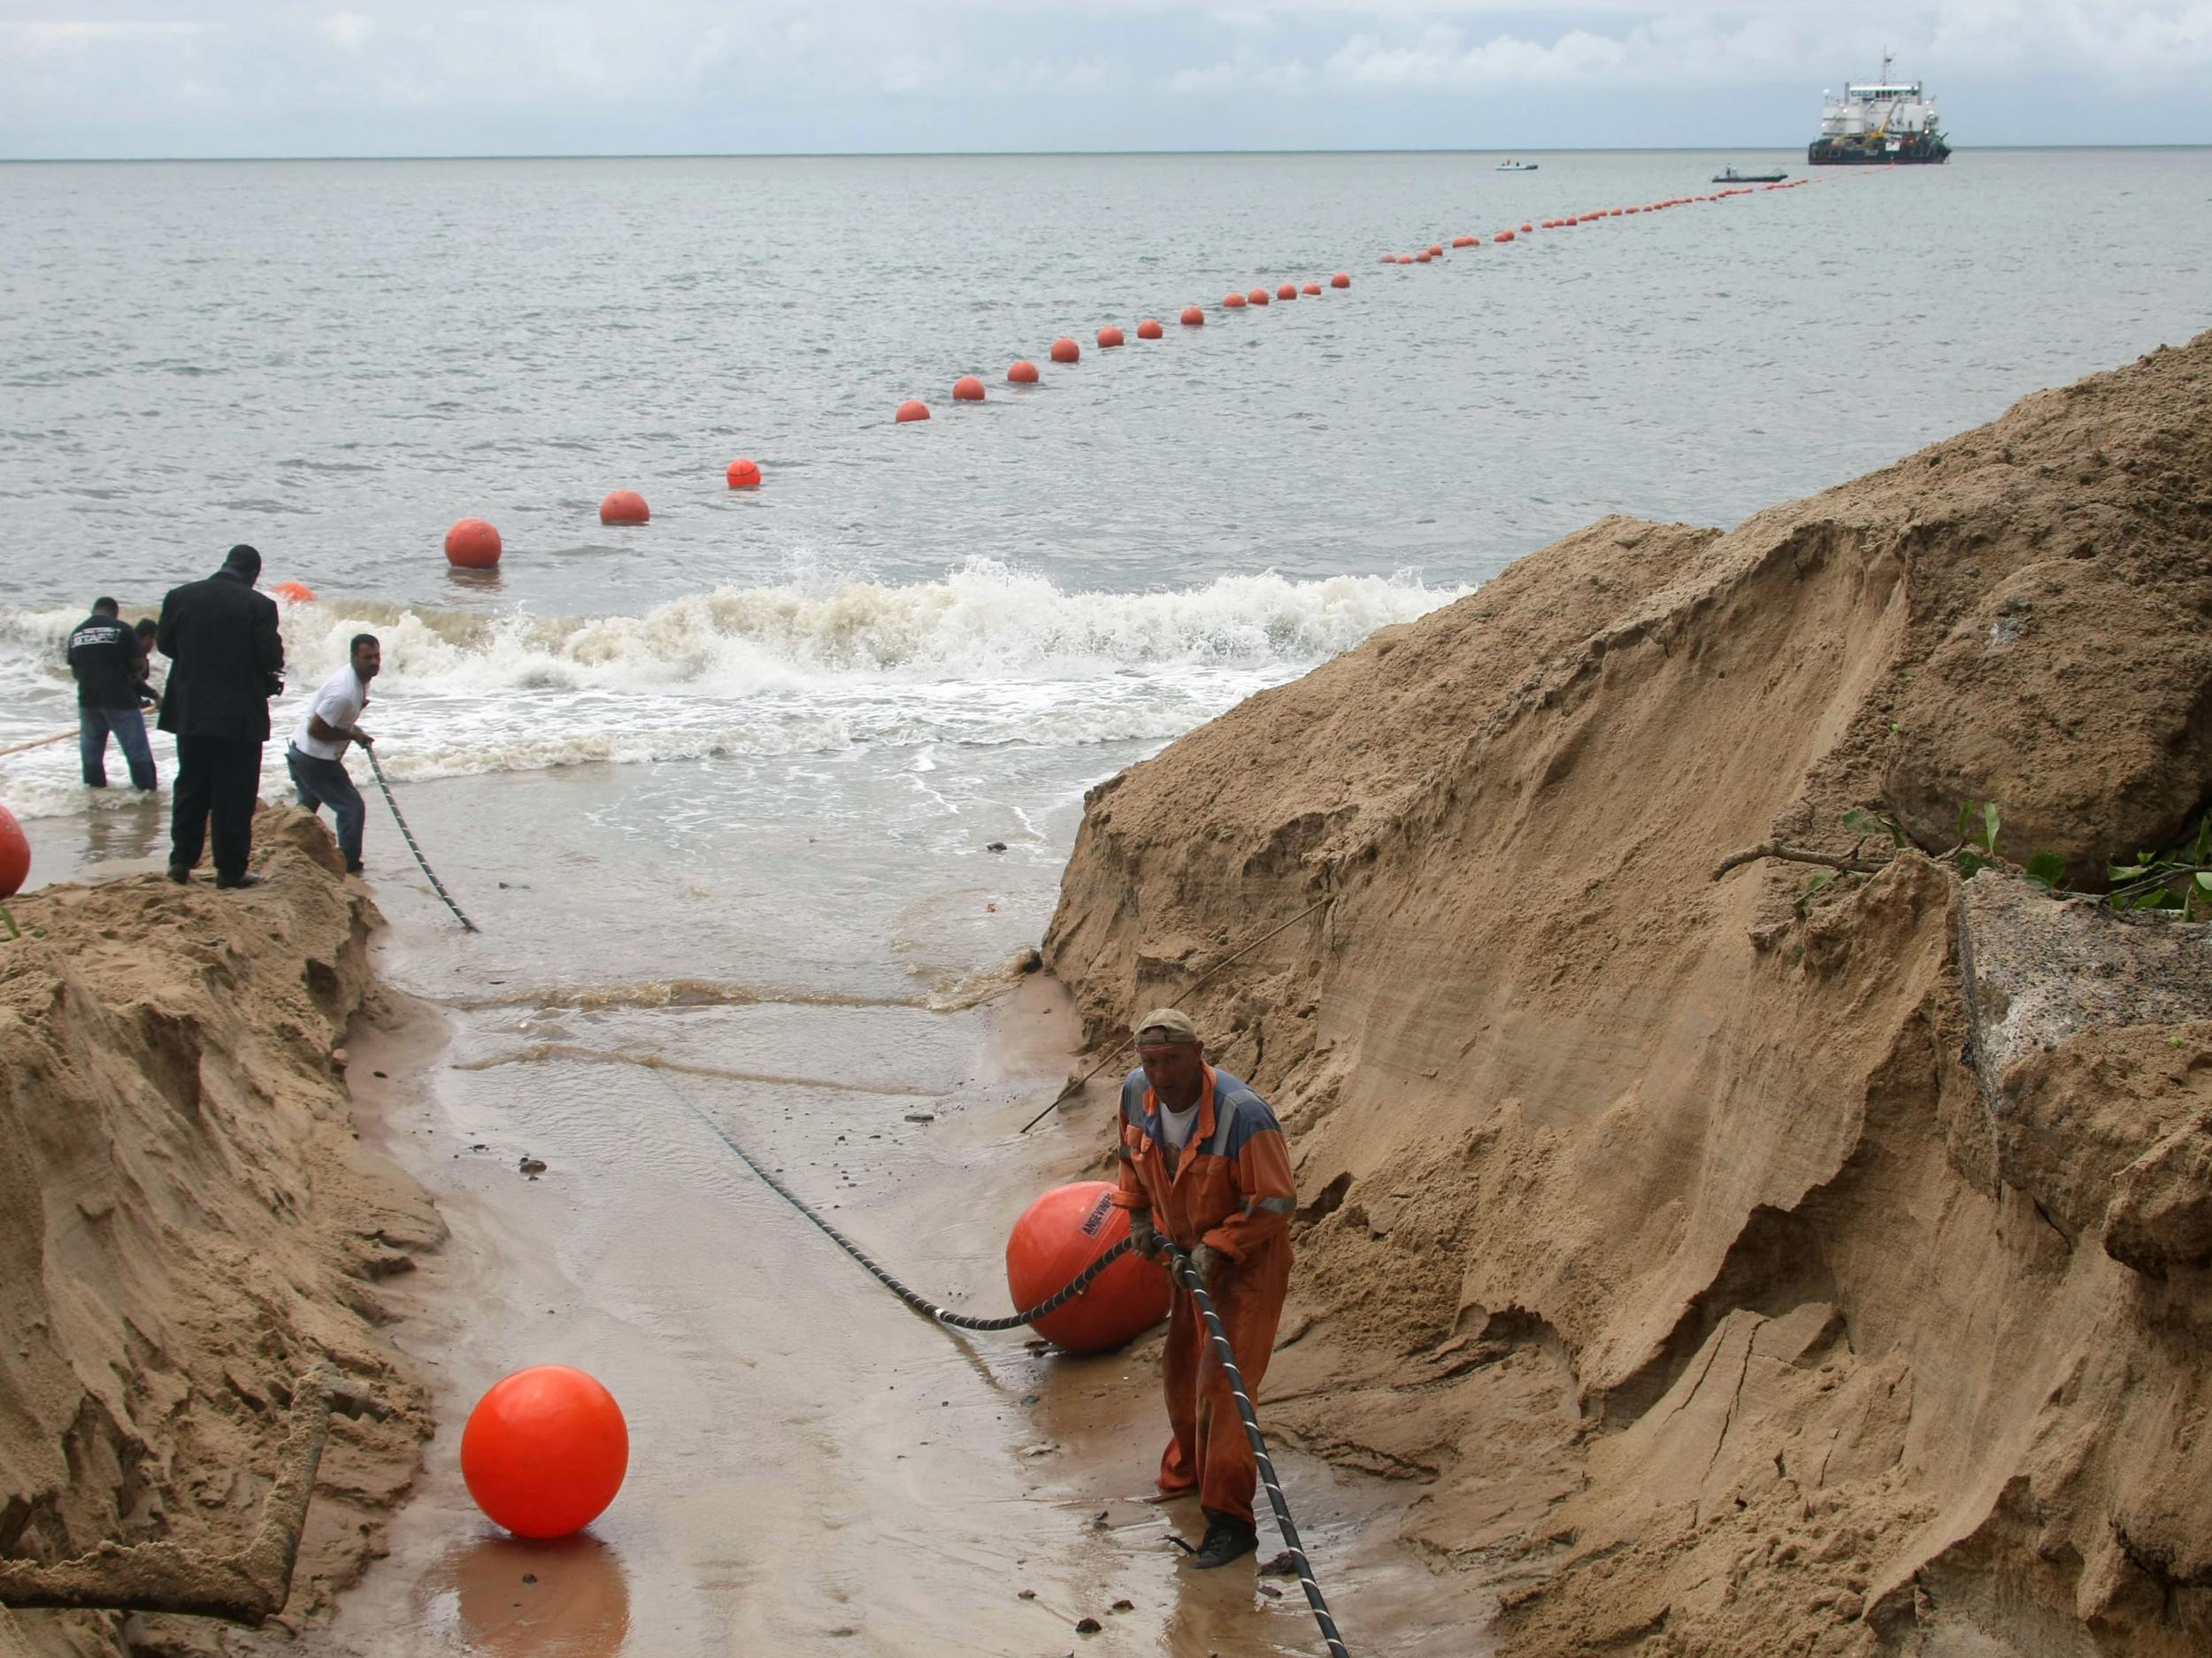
[1175, 1025]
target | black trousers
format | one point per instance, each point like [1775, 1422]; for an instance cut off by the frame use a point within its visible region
[218, 777]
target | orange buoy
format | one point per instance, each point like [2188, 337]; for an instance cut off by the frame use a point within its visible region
[1390, 258]
[1528, 228]
[1310, 290]
[15, 855]
[1463, 241]
[1233, 301]
[967, 388]
[1503, 235]
[1436, 250]
[1257, 296]
[1059, 1235]
[1022, 373]
[912, 409]
[1288, 290]
[744, 475]
[1423, 258]
[471, 544]
[1149, 329]
[1340, 280]
[1405, 259]
[1193, 316]
[1066, 350]
[544, 1451]
[625, 506]
[294, 592]
[1109, 335]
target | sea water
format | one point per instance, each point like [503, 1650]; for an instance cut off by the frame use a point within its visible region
[778, 731]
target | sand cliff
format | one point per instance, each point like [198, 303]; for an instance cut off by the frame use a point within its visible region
[1727, 1284]
[186, 1224]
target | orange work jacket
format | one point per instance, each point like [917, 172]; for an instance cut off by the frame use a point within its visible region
[1231, 1187]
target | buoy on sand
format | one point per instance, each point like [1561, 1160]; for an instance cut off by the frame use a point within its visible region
[1193, 316]
[967, 388]
[293, 592]
[625, 506]
[15, 855]
[471, 544]
[744, 475]
[912, 409]
[1022, 373]
[1059, 1235]
[1066, 350]
[544, 1451]
[1150, 329]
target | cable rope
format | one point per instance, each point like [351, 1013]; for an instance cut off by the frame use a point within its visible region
[437, 885]
[1179, 1265]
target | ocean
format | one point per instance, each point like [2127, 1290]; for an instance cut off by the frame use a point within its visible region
[773, 780]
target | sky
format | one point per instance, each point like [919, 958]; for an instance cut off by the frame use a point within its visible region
[190, 78]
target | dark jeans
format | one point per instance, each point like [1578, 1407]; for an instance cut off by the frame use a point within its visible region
[218, 777]
[128, 727]
[325, 783]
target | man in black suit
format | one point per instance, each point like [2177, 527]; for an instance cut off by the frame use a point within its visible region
[227, 661]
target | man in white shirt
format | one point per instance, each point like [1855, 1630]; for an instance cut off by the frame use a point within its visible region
[317, 755]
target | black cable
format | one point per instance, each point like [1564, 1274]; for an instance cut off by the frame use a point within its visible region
[1180, 1267]
[408, 834]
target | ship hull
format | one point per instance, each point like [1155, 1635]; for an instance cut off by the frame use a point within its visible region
[1825, 152]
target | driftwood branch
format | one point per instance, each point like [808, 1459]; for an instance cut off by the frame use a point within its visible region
[1794, 855]
[249, 1586]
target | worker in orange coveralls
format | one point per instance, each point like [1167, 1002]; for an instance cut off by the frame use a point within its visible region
[1203, 1163]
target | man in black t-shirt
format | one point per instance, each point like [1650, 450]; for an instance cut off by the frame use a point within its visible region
[104, 656]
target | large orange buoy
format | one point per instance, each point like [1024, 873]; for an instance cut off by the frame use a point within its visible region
[1257, 296]
[471, 544]
[1310, 290]
[1149, 329]
[1066, 350]
[1436, 250]
[912, 409]
[1503, 235]
[15, 855]
[743, 473]
[1107, 336]
[1022, 373]
[1060, 1234]
[545, 1450]
[1528, 226]
[1233, 301]
[1463, 241]
[1288, 290]
[1340, 280]
[1193, 316]
[625, 506]
[293, 592]
[967, 388]
[1423, 258]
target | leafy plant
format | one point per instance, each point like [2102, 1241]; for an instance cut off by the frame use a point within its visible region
[2178, 878]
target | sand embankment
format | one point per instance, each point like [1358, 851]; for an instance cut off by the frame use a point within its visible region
[1664, 1227]
[187, 1224]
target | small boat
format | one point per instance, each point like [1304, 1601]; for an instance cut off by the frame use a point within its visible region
[1517, 166]
[1728, 175]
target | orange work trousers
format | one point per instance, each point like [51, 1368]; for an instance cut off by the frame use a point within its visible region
[1209, 1453]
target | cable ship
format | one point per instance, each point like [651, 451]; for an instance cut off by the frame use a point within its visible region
[1879, 124]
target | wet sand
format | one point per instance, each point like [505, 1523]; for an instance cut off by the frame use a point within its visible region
[813, 1468]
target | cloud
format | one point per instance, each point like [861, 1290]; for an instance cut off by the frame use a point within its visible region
[348, 30]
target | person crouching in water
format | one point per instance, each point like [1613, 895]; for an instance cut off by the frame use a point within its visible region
[1204, 1164]
[317, 756]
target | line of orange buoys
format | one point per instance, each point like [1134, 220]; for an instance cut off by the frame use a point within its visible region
[473, 544]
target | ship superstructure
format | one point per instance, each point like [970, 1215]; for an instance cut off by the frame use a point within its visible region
[1878, 123]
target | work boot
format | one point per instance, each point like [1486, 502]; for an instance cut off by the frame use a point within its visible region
[181, 874]
[1227, 1538]
[230, 882]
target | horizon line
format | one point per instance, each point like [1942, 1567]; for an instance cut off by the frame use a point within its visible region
[961, 155]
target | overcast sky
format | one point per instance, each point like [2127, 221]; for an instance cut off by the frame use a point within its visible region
[502, 77]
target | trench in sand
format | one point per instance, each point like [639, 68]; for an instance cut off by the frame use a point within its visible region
[814, 1469]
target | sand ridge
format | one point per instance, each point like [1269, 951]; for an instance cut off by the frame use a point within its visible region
[1660, 1227]
[188, 1223]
